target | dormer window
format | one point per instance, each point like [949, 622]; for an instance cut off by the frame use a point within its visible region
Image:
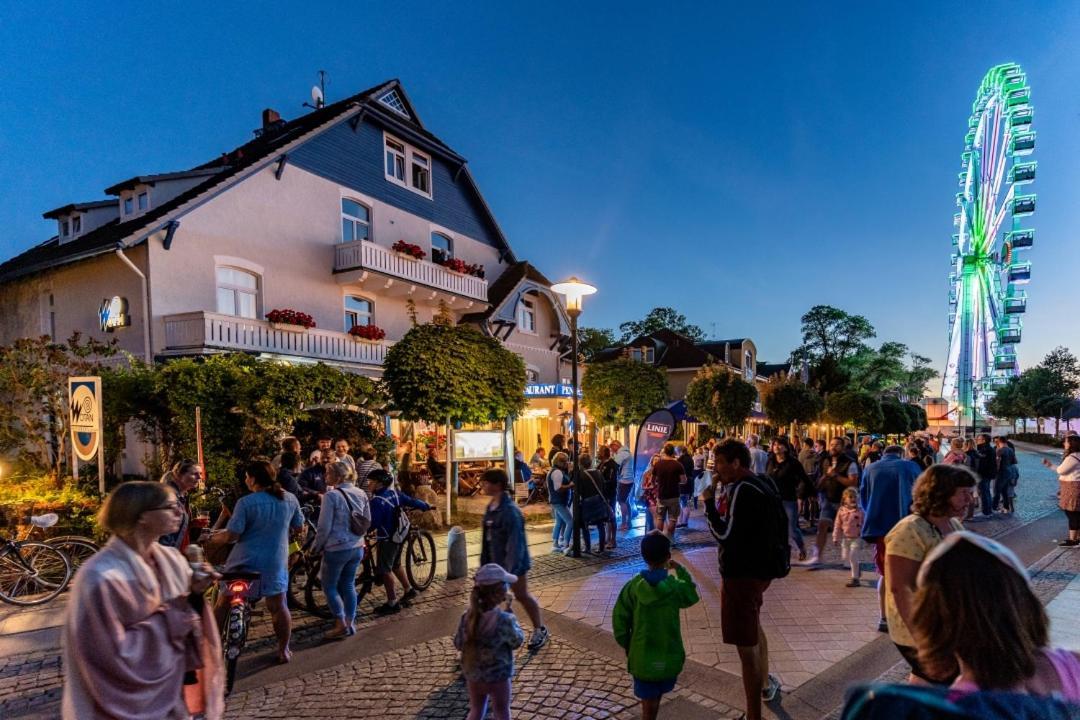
[643, 354]
[527, 317]
[393, 101]
[76, 224]
[406, 166]
[144, 200]
[129, 205]
[65, 228]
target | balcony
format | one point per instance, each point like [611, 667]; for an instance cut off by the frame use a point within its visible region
[355, 262]
[200, 332]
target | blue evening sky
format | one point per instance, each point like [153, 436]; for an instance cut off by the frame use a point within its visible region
[740, 162]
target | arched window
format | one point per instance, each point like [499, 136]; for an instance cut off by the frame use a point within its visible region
[358, 311]
[237, 292]
[355, 221]
[748, 366]
[532, 375]
[526, 319]
[442, 248]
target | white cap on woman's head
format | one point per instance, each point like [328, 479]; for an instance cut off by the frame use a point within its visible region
[999, 551]
[492, 574]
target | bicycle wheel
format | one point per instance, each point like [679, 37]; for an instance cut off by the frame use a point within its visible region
[78, 549]
[420, 560]
[32, 573]
[233, 637]
[365, 579]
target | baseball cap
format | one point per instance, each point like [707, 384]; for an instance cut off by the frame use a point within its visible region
[492, 574]
[999, 551]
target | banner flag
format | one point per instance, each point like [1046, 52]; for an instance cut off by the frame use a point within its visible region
[655, 430]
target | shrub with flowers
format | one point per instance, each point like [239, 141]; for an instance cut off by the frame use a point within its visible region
[460, 266]
[286, 316]
[367, 332]
[409, 249]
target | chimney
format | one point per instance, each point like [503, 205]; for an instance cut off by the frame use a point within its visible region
[269, 117]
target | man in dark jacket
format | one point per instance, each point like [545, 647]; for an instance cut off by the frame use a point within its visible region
[743, 535]
[387, 506]
[986, 467]
[1006, 474]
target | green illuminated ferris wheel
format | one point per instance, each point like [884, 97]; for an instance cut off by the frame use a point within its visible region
[986, 295]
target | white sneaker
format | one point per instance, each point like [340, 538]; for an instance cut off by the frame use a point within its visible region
[814, 558]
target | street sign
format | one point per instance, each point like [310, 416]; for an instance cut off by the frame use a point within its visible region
[84, 417]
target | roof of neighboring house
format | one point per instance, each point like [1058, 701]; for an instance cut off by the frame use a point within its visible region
[499, 290]
[265, 145]
[673, 350]
[160, 177]
[76, 207]
[767, 370]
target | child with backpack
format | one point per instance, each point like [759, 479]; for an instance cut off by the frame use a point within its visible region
[847, 532]
[487, 636]
[645, 622]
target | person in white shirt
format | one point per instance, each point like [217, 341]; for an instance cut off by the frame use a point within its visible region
[759, 459]
[625, 460]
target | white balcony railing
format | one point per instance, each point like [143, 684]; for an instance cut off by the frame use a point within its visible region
[366, 255]
[211, 331]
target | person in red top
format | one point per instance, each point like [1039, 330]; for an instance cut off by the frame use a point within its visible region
[668, 474]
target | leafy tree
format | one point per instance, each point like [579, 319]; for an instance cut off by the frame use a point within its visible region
[1009, 403]
[829, 332]
[919, 420]
[829, 375]
[854, 407]
[786, 401]
[1062, 382]
[661, 318]
[621, 392]
[895, 419]
[593, 340]
[877, 371]
[34, 372]
[719, 398]
[440, 371]
[917, 377]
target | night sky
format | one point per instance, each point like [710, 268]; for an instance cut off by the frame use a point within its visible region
[740, 163]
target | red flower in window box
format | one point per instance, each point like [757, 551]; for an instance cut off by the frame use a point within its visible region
[286, 316]
[409, 249]
[373, 333]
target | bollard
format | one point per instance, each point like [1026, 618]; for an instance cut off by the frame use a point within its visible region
[457, 555]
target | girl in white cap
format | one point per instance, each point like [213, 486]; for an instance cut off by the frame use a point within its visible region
[487, 636]
[977, 618]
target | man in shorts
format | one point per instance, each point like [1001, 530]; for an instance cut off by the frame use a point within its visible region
[839, 471]
[743, 535]
[385, 502]
[668, 474]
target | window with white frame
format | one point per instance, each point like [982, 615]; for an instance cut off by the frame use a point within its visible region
[408, 167]
[532, 375]
[442, 247]
[355, 221]
[65, 228]
[358, 311]
[395, 161]
[144, 200]
[748, 366]
[129, 205]
[76, 224]
[237, 292]
[393, 101]
[526, 321]
[642, 354]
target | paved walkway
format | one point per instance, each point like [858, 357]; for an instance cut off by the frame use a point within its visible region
[404, 666]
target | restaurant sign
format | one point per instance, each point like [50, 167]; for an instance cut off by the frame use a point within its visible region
[550, 390]
[113, 314]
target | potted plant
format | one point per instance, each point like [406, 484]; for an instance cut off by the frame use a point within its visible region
[408, 250]
[367, 333]
[290, 320]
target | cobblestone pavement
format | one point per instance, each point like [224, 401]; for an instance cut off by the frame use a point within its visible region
[577, 674]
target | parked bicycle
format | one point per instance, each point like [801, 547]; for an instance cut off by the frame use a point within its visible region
[31, 573]
[78, 548]
[305, 590]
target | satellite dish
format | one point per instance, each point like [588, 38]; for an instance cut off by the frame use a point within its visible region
[317, 96]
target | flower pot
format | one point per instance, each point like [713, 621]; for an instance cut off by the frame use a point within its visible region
[288, 327]
[406, 256]
[359, 339]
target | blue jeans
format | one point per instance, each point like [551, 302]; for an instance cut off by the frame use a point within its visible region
[564, 525]
[984, 497]
[791, 507]
[338, 577]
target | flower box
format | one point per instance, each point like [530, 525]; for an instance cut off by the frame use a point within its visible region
[290, 320]
[367, 333]
[413, 252]
[461, 267]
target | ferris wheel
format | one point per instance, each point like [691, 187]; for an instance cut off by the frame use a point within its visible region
[986, 285]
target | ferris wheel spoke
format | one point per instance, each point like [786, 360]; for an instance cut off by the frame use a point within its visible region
[995, 225]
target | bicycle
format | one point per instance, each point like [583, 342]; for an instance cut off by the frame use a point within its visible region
[78, 548]
[31, 573]
[305, 590]
[420, 561]
[237, 587]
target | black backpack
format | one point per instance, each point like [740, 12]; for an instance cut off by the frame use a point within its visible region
[774, 530]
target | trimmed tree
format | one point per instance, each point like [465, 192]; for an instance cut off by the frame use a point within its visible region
[895, 419]
[622, 392]
[441, 372]
[786, 401]
[720, 399]
[854, 407]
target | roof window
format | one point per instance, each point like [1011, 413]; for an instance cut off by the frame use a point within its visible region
[393, 101]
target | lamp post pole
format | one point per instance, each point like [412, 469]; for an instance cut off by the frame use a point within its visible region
[574, 290]
[575, 473]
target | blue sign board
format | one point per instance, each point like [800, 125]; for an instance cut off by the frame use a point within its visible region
[550, 390]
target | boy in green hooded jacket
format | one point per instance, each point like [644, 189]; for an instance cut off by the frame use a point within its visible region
[646, 624]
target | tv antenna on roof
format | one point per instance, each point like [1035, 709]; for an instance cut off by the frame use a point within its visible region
[318, 93]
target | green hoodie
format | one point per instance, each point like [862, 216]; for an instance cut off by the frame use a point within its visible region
[645, 622]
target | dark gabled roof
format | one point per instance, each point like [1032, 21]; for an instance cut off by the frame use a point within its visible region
[160, 177]
[75, 207]
[104, 238]
[767, 370]
[672, 350]
[499, 290]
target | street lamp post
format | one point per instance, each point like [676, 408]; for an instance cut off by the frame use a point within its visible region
[574, 290]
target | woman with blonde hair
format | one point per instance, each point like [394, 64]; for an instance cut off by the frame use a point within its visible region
[138, 641]
[344, 518]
